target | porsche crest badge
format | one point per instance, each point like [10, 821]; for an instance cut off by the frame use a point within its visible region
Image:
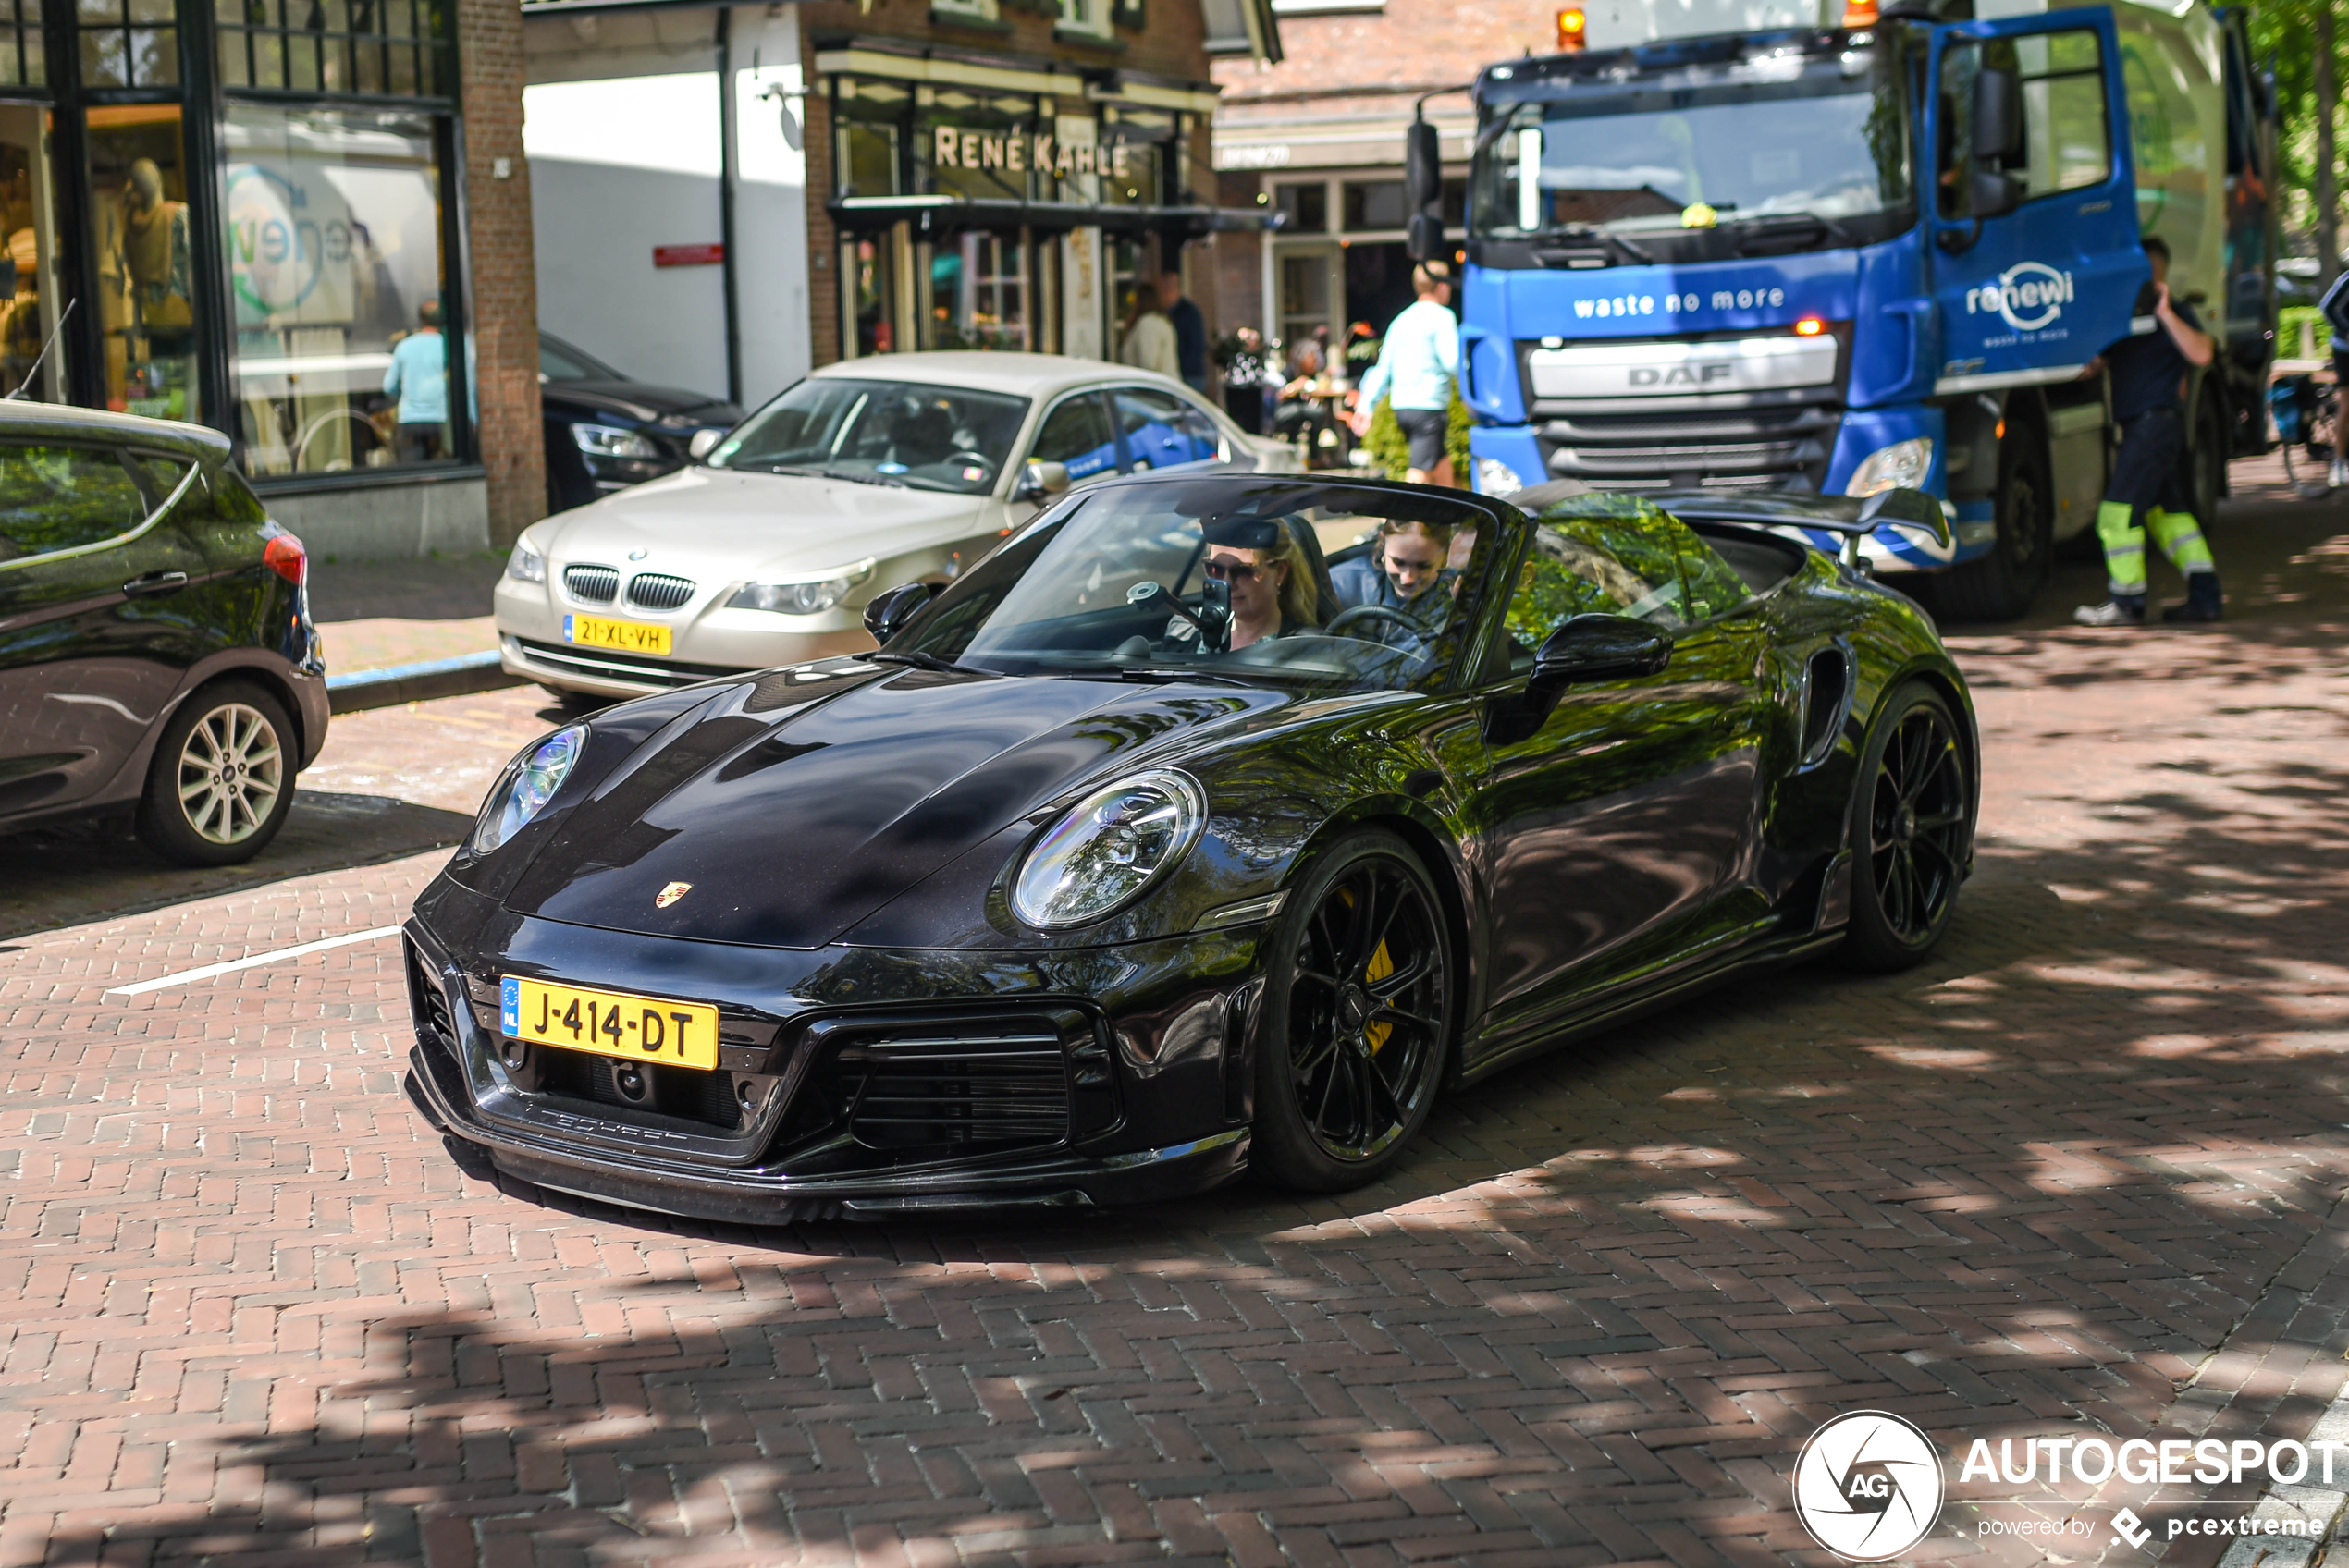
[671, 893]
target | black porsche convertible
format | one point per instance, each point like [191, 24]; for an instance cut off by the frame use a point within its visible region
[1145, 853]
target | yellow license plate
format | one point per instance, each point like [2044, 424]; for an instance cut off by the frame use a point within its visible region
[628, 636]
[609, 1022]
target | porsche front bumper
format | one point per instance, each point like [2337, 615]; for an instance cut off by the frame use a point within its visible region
[852, 1083]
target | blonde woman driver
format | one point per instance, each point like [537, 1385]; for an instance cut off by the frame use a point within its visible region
[1272, 590]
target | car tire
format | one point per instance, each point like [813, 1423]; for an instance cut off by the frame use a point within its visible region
[1911, 828]
[1360, 966]
[222, 779]
[2000, 584]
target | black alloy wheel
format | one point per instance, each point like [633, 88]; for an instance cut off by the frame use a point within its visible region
[1912, 825]
[1359, 1018]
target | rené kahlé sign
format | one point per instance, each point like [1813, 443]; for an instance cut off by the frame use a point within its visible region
[953, 147]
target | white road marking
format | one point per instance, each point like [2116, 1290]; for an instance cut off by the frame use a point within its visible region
[256, 960]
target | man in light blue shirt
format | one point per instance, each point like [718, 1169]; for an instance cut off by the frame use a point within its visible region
[1418, 365]
[419, 378]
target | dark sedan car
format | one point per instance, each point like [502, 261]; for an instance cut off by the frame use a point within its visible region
[1135, 858]
[157, 657]
[606, 431]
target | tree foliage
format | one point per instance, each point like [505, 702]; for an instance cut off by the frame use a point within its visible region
[2284, 31]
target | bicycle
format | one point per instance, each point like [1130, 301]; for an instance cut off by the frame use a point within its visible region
[2308, 415]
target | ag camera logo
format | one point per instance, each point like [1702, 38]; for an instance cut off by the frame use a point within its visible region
[1868, 1486]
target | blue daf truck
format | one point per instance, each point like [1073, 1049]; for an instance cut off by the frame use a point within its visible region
[1846, 257]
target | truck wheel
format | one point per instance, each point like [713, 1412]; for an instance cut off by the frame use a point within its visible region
[2206, 462]
[2000, 584]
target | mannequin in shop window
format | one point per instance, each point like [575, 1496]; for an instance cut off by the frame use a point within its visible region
[155, 256]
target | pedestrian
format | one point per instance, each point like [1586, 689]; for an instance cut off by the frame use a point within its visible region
[2335, 307]
[418, 376]
[2147, 490]
[1149, 339]
[1191, 331]
[1417, 367]
[1243, 382]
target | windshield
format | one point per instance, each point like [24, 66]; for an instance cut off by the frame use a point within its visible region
[1789, 133]
[881, 433]
[560, 361]
[1223, 578]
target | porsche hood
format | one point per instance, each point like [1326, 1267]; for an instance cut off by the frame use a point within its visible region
[792, 807]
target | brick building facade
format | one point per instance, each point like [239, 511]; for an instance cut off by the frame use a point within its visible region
[858, 177]
[1319, 138]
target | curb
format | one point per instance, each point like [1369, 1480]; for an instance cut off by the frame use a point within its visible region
[411, 683]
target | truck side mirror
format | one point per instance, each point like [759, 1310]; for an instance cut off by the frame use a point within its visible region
[1423, 190]
[1998, 115]
[1995, 194]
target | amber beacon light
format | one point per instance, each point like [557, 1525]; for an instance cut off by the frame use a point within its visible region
[1809, 326]
[1573, 29]
[1859, 13]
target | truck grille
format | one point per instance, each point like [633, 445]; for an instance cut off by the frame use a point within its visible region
[1758, 448]
[591, 584]
[654, 591]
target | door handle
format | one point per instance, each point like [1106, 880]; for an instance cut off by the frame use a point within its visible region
[154, 583]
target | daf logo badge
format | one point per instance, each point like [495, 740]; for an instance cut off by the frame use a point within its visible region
[638, 555]
[671, 893]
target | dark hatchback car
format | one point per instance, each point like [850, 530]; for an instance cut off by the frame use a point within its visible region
[157, 657]
[606, 432]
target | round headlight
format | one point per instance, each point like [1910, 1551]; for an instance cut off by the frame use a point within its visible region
[1109, 846]
[529, 782]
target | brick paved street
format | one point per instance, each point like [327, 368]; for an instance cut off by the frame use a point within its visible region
[2080, 1172]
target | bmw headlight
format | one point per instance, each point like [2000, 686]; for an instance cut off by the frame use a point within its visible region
[1108, 848]
[527, 564]
[1905, 464]
[529, 782]
[811, 596]
[1495, 477]
[612, 441]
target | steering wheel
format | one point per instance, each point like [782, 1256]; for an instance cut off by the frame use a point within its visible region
[1338, 622]
[979, 459]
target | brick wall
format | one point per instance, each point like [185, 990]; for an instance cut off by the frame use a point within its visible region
[1416, 44]
[502, 285]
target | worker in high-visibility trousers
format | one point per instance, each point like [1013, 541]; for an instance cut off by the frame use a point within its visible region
[2147, 491]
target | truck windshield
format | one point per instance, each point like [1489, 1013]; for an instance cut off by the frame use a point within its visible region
[1789, 133]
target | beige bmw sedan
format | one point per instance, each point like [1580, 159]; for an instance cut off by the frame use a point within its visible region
[870, 473]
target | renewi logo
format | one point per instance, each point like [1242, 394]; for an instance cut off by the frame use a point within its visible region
[2028, 295]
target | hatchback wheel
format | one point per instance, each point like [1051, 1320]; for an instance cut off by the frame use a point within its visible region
[1360, 1016]
[222, 779]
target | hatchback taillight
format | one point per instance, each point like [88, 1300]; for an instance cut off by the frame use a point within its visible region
[284, 554]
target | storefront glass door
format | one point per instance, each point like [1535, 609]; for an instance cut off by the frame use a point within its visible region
[141, 237]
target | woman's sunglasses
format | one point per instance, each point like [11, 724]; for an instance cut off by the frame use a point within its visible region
[1228, 572]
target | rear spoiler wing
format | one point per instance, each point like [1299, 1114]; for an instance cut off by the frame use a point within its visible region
[1853, 516]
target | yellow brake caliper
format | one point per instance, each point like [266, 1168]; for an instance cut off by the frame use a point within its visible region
[1382, 964]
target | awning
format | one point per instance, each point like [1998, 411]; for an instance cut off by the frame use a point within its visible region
[943, 215]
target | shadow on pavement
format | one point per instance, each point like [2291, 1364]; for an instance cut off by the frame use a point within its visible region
[94, 871]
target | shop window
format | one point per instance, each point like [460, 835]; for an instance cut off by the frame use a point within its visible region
[979, 147]
[1305, 306]
[868, 119]
[1305, 209]
[128, 44]
[29, 292]
[867, 300]
[336, 276]
[397, 48]
[141, 233]
[22, 63]
[1135, 144]
[978, 293]
[1374, 204]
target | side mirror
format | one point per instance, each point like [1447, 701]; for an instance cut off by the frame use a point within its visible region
[1600, 647]
[704, 442]
[1422, 167]
[1040, 480]
[1998, 115]
[1994, 195]
[1913, 508]
[1423, 192]
[890, 609]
